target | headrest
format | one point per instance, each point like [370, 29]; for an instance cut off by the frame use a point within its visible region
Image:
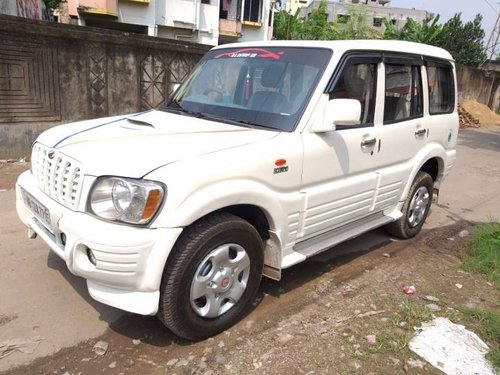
[272, 75]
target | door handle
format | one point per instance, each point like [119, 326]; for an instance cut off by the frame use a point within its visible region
[420, 132]
[368, 142]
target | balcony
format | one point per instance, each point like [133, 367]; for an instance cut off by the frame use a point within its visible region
[230, 28]
[106, 8]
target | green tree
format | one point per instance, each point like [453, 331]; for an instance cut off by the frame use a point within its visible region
[427, 31]
[463, 41]
[356, 25]
[286, 26]
[317, 27]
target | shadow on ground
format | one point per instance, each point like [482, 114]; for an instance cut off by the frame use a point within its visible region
[151, 331]
[483, 139]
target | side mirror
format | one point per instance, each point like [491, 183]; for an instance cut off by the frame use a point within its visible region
[339, 112]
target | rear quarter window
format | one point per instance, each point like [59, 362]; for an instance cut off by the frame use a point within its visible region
[441, 88]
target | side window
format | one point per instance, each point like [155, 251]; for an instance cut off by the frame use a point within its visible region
[441, 88]
[403, 93]
[359, 81]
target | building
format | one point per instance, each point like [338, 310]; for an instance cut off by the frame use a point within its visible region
[292, 5]
[209, 22]
[377, 10]
[32, 9]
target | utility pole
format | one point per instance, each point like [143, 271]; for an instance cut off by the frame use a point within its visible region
[492, 48]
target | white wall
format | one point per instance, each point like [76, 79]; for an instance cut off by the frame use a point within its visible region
[137, 14]
[190, 19]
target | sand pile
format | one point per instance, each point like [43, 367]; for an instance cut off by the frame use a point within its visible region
[485, 116]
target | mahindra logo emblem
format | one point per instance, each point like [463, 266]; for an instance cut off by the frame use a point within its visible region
[51, 154]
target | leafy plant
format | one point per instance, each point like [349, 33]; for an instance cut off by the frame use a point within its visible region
[424, 32]
[484, 255]
[289, 26]
[489, 327]
[356, 26]
[286, 25]
[463, 41]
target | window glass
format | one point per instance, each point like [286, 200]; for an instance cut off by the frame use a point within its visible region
[358, 81]
[252, 10]
[252, 86]
[403, 93]
[441, 89]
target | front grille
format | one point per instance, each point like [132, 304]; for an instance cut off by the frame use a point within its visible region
[57, 175]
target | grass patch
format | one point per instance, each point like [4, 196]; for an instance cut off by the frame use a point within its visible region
[484, 255]
[484, 258]
[414, 314]
[488, 324]
[395, 340]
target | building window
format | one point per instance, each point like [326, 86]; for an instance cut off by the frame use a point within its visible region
[252, 11]
[403, 93]
[230, 10]
[377, 22]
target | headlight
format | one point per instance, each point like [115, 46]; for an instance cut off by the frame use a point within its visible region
[124, 199]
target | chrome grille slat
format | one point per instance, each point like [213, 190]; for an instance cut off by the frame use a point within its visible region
[59, 177]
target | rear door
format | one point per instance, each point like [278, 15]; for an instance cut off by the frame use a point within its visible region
[403, 131]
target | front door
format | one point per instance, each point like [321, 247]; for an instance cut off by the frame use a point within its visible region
[339, 174]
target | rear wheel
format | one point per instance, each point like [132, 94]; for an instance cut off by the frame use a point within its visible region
[212, 276]
[415, 208]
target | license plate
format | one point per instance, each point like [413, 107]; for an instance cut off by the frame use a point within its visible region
[39, 210]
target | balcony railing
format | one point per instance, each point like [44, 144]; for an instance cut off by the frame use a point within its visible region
[107, 8]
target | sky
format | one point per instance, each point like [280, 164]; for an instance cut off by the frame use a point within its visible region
[489, 9]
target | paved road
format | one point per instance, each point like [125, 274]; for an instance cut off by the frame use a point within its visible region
[40, 299]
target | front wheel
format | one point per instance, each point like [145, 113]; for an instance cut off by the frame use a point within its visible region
[212, 276]
[415, 208]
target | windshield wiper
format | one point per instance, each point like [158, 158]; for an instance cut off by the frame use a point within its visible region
[249, 123]
[179, 108]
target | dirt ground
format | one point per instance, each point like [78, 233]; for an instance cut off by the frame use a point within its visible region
[9, 172]
[316, 318]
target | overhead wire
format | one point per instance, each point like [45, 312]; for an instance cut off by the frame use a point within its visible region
[491, 6]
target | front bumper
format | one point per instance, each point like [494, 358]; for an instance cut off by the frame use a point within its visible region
[129, 260]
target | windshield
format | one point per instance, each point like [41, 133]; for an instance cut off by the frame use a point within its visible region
[252, 86]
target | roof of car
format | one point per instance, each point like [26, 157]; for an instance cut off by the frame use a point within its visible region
[349, 45]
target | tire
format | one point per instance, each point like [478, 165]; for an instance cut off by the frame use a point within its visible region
[415, 208]
[211, 277]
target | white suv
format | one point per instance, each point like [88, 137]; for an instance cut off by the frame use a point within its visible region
[267, 154]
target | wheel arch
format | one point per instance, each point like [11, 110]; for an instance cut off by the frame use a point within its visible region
[434, 167]
[430, 160]
[255, 215]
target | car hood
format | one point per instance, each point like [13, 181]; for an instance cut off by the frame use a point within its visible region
[134, 145]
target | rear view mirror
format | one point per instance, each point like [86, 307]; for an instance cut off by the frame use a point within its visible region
[340, 112]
